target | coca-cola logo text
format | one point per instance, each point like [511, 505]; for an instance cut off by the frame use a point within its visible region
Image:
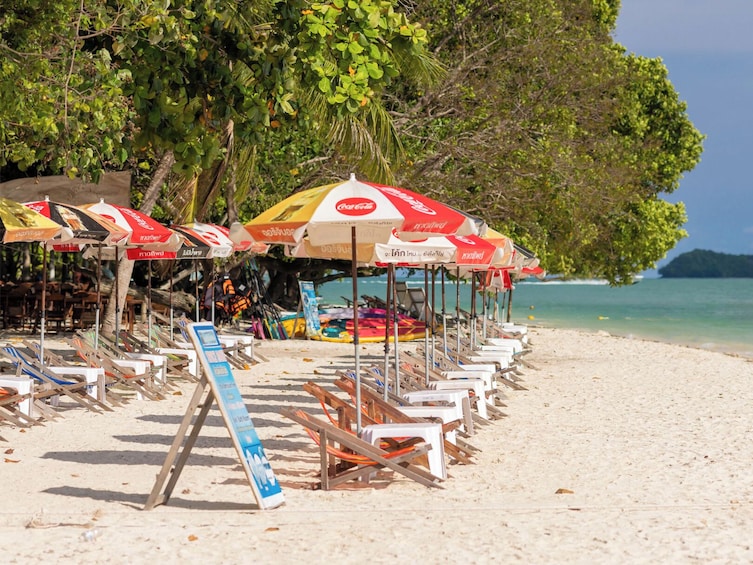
[355, 206]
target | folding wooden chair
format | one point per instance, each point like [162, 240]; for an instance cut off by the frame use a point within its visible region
[52, 385]
[361, 457]
[10, 407]
[380, 411]
[123, 373]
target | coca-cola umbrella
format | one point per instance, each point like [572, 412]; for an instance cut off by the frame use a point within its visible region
[19, 223]
[353, 212]
[192, 247]
[142, 231]
[80, 227]
[224, 245]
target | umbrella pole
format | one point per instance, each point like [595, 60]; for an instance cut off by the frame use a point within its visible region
[396, 329]
[444, 315]
[196, 292]
[426, 324]
[149, 302]
[457, 309]
[43, 319]
[509, 305]
[98, 306]
[472, 340]
[354, 275]
[172, 312]
[214, 288]
[484, 310]
[387, 334]
[117, 297]
[433, 312]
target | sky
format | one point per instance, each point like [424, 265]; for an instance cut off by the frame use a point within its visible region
[707, 47]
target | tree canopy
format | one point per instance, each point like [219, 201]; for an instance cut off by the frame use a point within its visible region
[541, 124]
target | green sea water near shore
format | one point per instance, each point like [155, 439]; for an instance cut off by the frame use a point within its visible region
[715, 314]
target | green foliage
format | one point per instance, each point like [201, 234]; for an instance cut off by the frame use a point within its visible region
[551, 133]
[62, 106]
[117, 80]
[700, 263]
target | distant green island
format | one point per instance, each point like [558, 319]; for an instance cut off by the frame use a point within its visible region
[700, 263]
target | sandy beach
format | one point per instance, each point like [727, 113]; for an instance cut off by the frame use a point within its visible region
[619, 451]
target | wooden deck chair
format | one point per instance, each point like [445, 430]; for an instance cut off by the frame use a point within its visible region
[178, 361]
[53, 359]
[119, 353]
[413, 374]
[52, 385]
[234, 353]
[380, 411]
[346, 413]
[141, 383]
[375, 378]
[10, 410]
[362, 457]
[448, 359]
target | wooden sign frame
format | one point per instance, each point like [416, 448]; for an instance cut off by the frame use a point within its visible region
[217, 377]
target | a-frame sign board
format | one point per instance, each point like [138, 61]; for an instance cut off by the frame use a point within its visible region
[218, 378]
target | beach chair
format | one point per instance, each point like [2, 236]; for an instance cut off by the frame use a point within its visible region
[135, 375]
[62, 366]
[120, 354]
[376, 408]
[53, 385]
[361, 458]
[16, 405]
[481, 381]
[182, 363]
[238, 349]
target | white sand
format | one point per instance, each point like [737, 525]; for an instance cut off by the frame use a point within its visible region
[654, 441]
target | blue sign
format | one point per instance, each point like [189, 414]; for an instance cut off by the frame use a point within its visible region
[247, 443]
[310, 308]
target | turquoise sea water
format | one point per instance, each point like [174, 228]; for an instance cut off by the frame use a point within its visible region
[713, 314]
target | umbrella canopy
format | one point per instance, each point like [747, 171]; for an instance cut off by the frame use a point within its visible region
[217, 236]
[142, 229]
[191, 246]
[328, 213]
[19, 223]
[84, 226]
[428, 250]
[353, 212]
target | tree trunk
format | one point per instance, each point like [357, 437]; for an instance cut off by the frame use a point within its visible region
[125, 267]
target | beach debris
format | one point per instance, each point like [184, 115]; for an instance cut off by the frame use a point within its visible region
[91, 535]
[564, 491]
[307, 360]
[192, 537]
[9, 451]
[9, 460]
[272, 529]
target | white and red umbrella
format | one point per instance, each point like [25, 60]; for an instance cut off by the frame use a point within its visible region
[329, 214]
[83, 226]
[79, 227]
[142, 229]
[354, 212]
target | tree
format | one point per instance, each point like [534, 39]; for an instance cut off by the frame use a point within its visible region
[203, 77]
[551, 132]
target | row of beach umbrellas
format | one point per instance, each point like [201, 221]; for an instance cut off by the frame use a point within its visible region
[367, 223]
[108, 231]
[371, 223]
